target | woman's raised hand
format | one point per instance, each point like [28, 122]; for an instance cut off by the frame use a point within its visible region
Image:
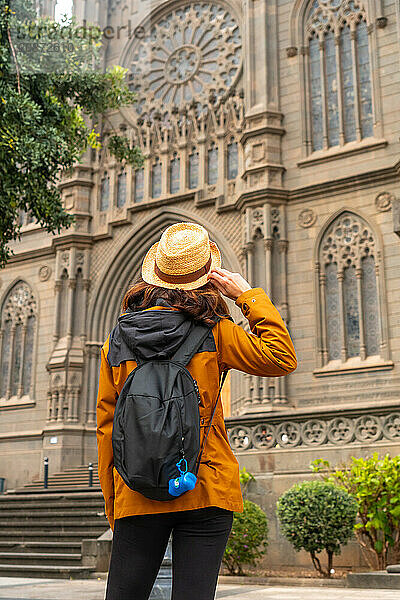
[229, 284]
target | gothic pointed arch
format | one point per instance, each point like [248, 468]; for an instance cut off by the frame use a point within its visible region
[18, 328]
[299, 10]
[118, 274]
[350, 289]
[339, 72]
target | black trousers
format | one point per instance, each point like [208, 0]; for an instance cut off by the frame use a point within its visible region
[199, 538]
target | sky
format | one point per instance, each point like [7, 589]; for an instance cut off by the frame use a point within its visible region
[63, 7]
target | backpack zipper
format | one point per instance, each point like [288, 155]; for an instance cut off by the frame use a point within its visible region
[196, 387]
[182, 450]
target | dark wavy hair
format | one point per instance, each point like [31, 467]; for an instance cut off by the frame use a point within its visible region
[202, 304]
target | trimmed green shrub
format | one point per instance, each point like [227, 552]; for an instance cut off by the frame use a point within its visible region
[375, 484]
[317, 516]
[248, 538]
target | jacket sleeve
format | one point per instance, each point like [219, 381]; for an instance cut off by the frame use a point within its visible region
[268, 350]
[106, 401]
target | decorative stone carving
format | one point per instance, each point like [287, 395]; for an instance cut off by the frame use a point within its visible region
[17, 331]
[391, 426]
[268, 244]
[325, 14]
[368, 429]
[240, 438]
[381, 22]
[192, 53]
[306, 218]
[44, 273]
[263, 436]
[275, 223]
[348, 240]
[275, 216]
[313, 433]
[20, 304]
[288, 434]
[384, 201]
[291, 51]
[258, 217]
[338, 431]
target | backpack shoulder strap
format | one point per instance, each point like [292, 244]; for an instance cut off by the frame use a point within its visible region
[191, 345]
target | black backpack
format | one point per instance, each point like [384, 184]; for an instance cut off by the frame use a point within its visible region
[157, 421]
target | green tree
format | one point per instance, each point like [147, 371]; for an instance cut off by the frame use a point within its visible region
[52, 92]
[375, 484]
[247, 541]
[316, 516]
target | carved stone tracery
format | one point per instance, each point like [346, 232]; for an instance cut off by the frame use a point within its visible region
[337, 431]
[333, 14]
[349, 280]
[189, 54]
[17, 334]
[347, 242]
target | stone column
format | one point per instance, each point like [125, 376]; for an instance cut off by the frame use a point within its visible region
[93, 354]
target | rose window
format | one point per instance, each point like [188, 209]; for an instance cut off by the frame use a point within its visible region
[189, 53]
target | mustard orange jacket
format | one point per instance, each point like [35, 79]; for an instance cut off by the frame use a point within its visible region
[267, 351]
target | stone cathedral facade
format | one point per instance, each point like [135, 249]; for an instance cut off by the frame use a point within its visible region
[275, 124]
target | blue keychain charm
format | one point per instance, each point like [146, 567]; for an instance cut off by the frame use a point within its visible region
[184, 483]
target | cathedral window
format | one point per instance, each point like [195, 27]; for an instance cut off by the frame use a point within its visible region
[156, 174]
[212, 164]
[190, 50]
[17, 333]
[232, 160]
[139, 185]
[104, 192]
[193, 169]
[121, 189]
[348, 291]
[174, 174]
[339, 68]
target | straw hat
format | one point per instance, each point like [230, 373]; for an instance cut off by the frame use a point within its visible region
[182, 258]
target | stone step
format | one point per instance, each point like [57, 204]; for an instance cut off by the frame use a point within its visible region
[62, 487]
[49, 525]
[46, 571]
[58, 490]
[74, 477]
[46, 547]
[69, 536]
[38, 558]
[41, 530]
[62, 483]
[29, 497]
[49, 500]
[44, 513]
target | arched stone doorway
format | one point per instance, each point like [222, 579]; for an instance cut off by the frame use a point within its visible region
[116, 277]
